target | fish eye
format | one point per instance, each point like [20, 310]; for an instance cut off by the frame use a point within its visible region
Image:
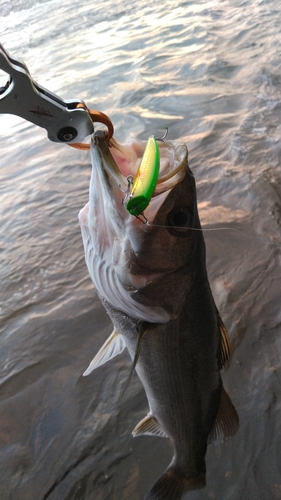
[179, 218]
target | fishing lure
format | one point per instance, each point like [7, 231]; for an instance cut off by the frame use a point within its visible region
[142, 187]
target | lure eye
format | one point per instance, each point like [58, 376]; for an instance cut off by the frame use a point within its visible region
[179, 218]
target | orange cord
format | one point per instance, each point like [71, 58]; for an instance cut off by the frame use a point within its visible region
[97, 116]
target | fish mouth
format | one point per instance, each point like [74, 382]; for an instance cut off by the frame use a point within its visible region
[115, 241]
[120, 163]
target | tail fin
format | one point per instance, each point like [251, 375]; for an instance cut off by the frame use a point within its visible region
[171, 486]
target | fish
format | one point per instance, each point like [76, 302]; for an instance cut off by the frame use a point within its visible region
[150, 275]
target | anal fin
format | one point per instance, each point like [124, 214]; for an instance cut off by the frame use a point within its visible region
[148, 426]
[113, 346]
[227, 420]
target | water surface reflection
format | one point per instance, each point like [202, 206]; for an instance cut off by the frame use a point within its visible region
[211, 73]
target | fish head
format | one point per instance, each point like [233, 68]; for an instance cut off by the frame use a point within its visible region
[142, 265]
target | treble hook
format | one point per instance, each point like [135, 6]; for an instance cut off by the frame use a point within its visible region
[127, 193]
[161, 138]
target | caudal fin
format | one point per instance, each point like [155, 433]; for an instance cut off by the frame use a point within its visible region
[171, 486]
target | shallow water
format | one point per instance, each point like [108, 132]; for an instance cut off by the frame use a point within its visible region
[210, 72]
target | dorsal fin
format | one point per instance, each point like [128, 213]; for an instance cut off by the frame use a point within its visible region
[227, 420]
[148, 426]
[113, 346]
[225, 344]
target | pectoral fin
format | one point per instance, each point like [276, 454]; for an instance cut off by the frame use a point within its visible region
[227, 420]
[113, 346]
[142, 329]
[148, 426]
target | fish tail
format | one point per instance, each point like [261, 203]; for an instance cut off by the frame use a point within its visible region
[172, 485]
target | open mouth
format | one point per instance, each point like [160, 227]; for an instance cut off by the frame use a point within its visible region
[173, 158]
[119, 166]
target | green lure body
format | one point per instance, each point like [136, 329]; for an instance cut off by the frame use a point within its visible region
[146, 179]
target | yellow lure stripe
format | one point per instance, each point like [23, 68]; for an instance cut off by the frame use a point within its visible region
[146, 179]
